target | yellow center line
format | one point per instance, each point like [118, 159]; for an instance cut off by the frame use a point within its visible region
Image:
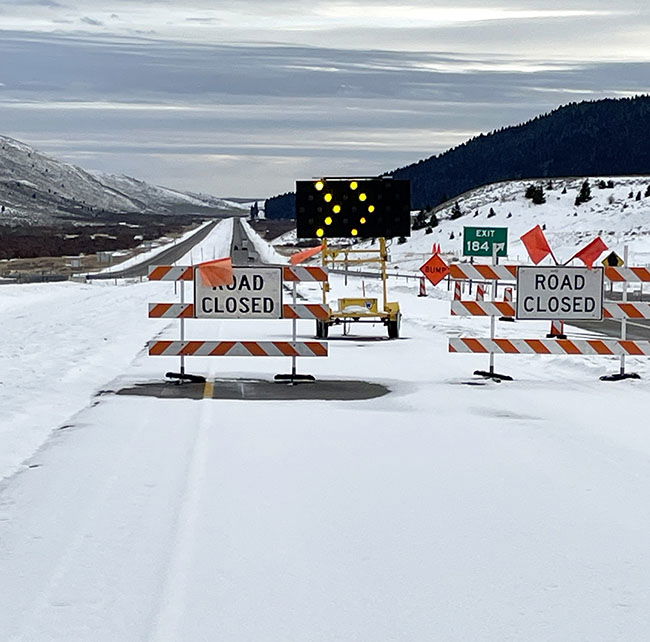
[208, 389]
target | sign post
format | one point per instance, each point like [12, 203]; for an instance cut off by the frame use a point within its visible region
[491, 374]
[615, 261]
[482, 241]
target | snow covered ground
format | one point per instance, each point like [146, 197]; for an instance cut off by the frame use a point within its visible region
[442, 511]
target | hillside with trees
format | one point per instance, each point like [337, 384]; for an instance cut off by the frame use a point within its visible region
[600, 138]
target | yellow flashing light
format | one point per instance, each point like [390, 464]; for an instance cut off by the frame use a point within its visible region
[328, 220]
[319, 185]
[362, 220]
[354, 232]
[336, 209]
[362, 197]
[371, 208]
[319, 232]
[328, 198]
[354, 185]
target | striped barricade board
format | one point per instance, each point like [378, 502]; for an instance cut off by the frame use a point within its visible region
[171, 273]
[237, 348]
[611, 309]
[609, 347]
[289, 311]
[629, 274]
[480, 272]
[186, 273]
[477, 272]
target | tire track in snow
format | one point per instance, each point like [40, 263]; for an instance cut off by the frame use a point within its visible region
[172, 601]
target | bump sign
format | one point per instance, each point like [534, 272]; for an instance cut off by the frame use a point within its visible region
[256, 293]
[435, 269]
[567, 293]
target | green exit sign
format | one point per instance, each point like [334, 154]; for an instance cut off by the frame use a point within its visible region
[480, 241]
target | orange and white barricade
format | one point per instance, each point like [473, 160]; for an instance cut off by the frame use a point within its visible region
[293, 311]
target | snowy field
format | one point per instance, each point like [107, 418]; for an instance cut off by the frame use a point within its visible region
[442, 511]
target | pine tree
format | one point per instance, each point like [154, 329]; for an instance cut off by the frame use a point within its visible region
[456, 212]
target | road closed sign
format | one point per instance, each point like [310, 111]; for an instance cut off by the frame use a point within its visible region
[256, 293]
[565, 293]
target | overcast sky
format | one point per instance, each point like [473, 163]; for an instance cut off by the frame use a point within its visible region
[242, 98]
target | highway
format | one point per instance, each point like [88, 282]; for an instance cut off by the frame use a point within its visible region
[165, 257]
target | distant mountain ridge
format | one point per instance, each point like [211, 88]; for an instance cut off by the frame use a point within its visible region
[597, 138]
[38, 189]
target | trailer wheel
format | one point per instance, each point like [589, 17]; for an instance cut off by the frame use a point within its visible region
[321, 329]
[393, 327]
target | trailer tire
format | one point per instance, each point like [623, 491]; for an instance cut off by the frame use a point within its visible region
[322, 329]
[393, 327]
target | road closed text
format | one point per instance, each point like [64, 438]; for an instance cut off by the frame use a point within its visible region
[561, 293]
[256, 293]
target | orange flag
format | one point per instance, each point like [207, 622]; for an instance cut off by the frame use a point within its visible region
[590, 252]
[536, 245]
[303, 255]
[215, 273]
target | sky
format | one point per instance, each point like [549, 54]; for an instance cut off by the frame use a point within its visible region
[244, 97]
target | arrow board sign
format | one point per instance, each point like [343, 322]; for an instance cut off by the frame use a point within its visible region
[560, 293]
[256, 293]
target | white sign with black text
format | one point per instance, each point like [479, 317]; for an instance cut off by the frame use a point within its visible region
[562, 293]
[256, 293]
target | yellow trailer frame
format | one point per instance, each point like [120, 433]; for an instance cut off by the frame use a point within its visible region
[359, 310]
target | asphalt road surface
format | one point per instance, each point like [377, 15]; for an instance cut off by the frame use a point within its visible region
[166, 257]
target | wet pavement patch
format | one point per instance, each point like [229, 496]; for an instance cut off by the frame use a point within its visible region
[260, 390]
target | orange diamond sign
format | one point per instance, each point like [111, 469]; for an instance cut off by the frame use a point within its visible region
[435, 269]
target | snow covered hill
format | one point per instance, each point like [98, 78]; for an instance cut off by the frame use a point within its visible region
[613, 213]
[35, 188]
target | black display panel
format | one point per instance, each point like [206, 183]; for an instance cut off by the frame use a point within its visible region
[353, 208]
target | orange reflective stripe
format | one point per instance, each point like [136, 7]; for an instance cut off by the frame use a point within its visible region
[288, 312]
[254, 348]
[538, 346]
[599, 346]
[631, 310]
[159, 310]
[286, 348]
[631, 347]
[159, 347]
[474, 345]
[506, 308]
[506, 346]
[474, 308]
[158, 272]
[317, 348]
[190, 348]
[568, 346]
[222, 349]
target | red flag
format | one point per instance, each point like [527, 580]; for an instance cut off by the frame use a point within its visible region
[536, 245]
[591, 252]
[215, 273]
[303, 255]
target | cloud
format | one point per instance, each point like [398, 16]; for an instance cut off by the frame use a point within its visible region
[324, 88]
[91, 21]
